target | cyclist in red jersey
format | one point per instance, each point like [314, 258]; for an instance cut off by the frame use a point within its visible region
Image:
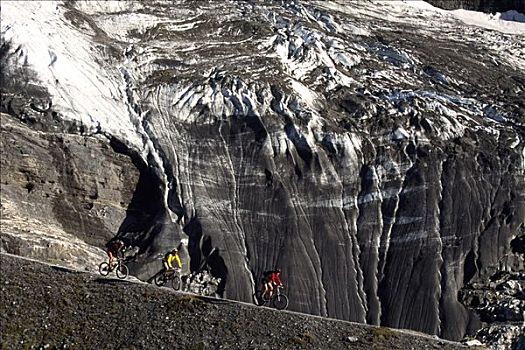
[272, 279]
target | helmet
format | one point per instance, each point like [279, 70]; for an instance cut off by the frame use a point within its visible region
[278, 270]
[174, 250]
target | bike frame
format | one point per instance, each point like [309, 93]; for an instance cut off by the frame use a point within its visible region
[170, 274]
[275, 292]
[116, 263]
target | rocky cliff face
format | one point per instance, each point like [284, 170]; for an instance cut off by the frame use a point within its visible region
[373, 151]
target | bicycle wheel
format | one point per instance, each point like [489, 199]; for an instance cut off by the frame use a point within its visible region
[160, 280]
[265, 297]
[258, 299]
[103, 269]
[175, 283]
[122, 271]
[280, 302]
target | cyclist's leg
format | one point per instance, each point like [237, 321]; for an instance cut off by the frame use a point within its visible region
[166, 268]
[110, 255]
[272, 284]
[269, 286]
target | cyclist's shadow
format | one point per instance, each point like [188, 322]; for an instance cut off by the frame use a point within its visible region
[110, 280]
[160, 273]
[152, 278]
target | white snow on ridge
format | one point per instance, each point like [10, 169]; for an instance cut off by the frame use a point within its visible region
[495, 22]
[106, 7]
[402, 5]
[423, 13]
[81, 89]
[119, 26]
[459, 25]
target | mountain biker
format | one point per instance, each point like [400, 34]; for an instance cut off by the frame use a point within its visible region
[114, 250]
[271, 279]
[169, 258]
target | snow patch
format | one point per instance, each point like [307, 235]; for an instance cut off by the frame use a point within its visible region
[305, 94]
[97, 6]
[81, 89]
[498, 22]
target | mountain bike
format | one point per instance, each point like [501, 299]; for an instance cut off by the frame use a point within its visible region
[169, 277]
[118, 266]
[277, 300]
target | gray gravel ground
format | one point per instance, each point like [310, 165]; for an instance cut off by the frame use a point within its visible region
[49, 307]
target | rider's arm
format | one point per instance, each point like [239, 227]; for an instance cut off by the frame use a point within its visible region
[168, 261]
[179, 264]
[278, 280]
[120, 252]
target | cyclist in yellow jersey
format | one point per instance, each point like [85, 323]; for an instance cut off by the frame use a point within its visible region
[171, 256]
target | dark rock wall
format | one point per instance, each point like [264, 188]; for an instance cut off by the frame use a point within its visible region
[264, 203]
[490, 6]
[389, 237]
